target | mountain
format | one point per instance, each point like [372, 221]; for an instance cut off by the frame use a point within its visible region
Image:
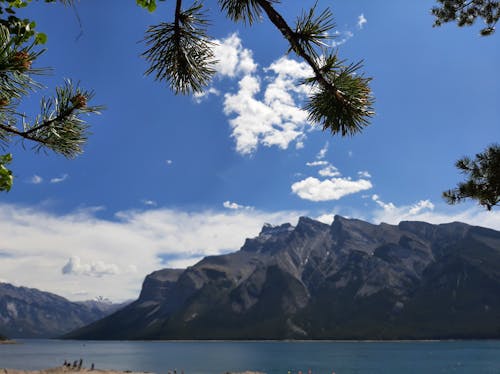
[30, 313]
[102, 305]
[348, 280]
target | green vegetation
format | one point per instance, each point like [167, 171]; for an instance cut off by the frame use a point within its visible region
[180, 53]
[58, 126]
[483, 183]
[465, 13]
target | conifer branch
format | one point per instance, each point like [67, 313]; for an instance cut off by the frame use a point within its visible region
[344, 102]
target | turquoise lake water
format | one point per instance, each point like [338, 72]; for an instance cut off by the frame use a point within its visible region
[471, 357]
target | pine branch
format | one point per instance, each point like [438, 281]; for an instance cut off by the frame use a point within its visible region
[465, 13]
[181, 52]
[483, 183]
[344, 103]
[58, 127]
[291, 36]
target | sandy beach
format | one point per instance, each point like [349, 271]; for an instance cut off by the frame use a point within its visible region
[66, 370]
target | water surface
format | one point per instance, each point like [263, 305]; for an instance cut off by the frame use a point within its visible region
[471, 357]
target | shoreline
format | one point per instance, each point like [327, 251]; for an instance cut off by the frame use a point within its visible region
[66, 370]
[70, 370]
[8, 342]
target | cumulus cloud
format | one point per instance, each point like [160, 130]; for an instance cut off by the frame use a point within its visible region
[149, 202]
[268, 116]
[314, 189]
[329, 171]
[334, 186]
[361, 21]
[36, 179]
[265, 110]
[60, 179]
[234, 206]
[74, 266]
[122, 250]
[232, 58]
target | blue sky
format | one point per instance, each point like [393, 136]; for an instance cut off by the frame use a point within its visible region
[167, 179]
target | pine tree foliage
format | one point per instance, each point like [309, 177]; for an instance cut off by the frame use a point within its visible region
[180, 53]
[483, 183]
[465, 13]
[58, 126]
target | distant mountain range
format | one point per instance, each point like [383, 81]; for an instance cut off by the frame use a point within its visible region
[348, 280]
[31, 313]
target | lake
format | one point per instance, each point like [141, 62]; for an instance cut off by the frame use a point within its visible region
[471, 357]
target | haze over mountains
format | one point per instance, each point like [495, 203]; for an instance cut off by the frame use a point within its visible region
[31, 313]
[348, 280]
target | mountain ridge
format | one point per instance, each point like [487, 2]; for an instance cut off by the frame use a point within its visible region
[348, 280]
[31, 313]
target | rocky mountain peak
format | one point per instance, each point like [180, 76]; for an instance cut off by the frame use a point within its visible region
[268, 229]
[350, 280]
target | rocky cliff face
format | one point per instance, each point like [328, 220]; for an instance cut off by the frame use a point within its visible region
[30, 313]
[348, 280]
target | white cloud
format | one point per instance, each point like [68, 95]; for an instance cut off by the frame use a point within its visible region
[322, 152]
[314, 189]
[332, 188]
[36, 179]
[124, 249]
[74, 266]
[361, 21]
[149, 202]
[425, 210]
[380, 203]
[326, 218]
[234, 206]
[342, 38]
[169, 162]
[232, 58]
[60, 179]
[200, 96]
[421, 206]
[274, 121]
[265, 109]
[364, 174]
[318, 163]
[329, 171]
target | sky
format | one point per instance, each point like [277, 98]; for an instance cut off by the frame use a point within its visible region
[165, 179]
